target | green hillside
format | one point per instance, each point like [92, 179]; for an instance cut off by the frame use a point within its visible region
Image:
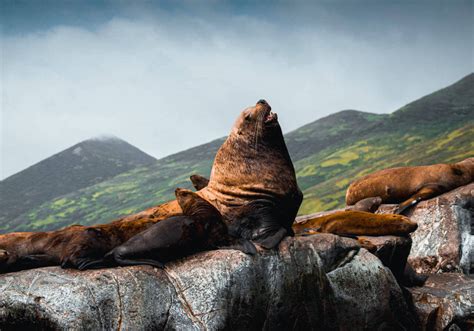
[82, 165]
[328, 154]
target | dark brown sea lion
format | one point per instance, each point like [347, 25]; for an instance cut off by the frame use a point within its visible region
[407, 186]
[200, 228]
[199, 182]
[252, 164]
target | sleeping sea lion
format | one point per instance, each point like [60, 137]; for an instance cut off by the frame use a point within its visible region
[200, 228]
[355, 223]
[407, 186]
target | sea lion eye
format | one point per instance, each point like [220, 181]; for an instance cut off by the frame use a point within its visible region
[247, 117]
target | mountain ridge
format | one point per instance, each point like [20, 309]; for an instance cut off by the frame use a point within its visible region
[81, 165]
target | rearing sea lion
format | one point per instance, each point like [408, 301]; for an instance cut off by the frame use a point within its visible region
[253, 165]
[407, 186]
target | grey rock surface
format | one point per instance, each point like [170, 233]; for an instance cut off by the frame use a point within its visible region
[444, 239]
[316, 282]
[445, 302]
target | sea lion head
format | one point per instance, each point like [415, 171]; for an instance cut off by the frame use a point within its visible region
[467, 166]
[257, 123]
[3, 255]
[195, 206]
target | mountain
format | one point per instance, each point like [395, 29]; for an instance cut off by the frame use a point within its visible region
[87, 163]
[328, 154]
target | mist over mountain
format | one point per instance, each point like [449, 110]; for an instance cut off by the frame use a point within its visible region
[328, 154]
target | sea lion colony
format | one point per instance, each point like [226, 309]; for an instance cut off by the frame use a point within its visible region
[252, 194]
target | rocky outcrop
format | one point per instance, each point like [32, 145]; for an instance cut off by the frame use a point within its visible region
[316, 282]
[319, 282]
[444, 240]
[445, 302]
[392, 251]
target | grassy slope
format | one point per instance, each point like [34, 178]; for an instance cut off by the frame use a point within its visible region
[328, 155]
[82, 165]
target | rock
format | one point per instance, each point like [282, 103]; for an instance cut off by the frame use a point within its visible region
[443, 241]
[315, 282]
[392, 251]
[445, 302]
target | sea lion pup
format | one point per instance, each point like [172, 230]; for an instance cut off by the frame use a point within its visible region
[407, 186]
[200, 228]
[199, 182]
[355, 223]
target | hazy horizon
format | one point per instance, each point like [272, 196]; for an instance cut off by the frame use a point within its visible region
[166, 77]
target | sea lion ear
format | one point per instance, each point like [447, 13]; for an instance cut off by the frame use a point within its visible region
[182, 196]
[199, 182]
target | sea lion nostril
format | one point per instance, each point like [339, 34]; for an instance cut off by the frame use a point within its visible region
[262, 101]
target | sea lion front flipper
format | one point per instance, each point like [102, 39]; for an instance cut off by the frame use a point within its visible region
[36, 261]
[273, 240]
[118, 255]
[199, 182]
[127, 262]
[94, 264]
[241, 244]
[424, 193]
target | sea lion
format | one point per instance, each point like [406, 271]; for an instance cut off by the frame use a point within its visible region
[76, 244]
[356, 223]
[407, 186]
[252, 164]
[199, 182]
[369, 205]
[200, 228]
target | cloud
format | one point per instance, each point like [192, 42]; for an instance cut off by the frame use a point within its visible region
[168, 82]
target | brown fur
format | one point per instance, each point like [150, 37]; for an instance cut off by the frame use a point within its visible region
[357, 223]
[408, 185]
[69, 246]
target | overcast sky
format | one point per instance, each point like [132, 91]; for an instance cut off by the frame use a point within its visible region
[171, 75]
